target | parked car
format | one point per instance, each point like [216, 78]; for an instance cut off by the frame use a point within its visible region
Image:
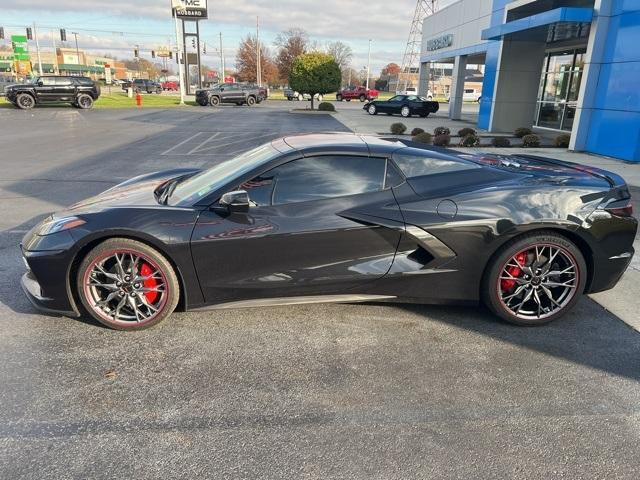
[357, 93]
[80, 92]
[170, 86]
[237, 93]
[469, 95]
[142, 85]
[405, 105]
[293, 95]
[414, 91]
[337, 218]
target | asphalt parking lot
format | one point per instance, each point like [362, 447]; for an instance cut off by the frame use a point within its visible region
[316, 391]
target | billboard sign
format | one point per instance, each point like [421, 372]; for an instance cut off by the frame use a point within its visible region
[190, 9]
[107, 74]
[20, 48]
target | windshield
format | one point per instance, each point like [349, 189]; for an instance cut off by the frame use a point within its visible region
[195, 188]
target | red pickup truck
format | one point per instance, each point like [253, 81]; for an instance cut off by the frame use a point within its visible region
[359, 93]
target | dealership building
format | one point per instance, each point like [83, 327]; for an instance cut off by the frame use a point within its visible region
[560, 65]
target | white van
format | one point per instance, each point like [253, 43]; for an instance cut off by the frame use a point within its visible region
[469, 95]
[413, 91]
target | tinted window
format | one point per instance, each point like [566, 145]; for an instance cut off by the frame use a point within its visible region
[417, 163]
[397, 98]
[317, 178]
[47, 81]
[260, 188]
[63, 81]
[412, 98]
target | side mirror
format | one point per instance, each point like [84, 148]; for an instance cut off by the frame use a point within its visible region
[40, 83]
[236, 202]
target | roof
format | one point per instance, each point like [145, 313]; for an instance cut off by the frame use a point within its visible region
[342, 142]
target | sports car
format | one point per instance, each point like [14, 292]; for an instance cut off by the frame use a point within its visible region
[337, 218]
[405, 105]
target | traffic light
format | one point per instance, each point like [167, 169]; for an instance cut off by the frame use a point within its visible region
[63, 35]
[204, 48]
[193, 42]
[170, 55]
[1, 33]
[136, 52]
[153, 54]
[29, 34]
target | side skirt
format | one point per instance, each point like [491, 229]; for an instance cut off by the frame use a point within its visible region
[272, 302]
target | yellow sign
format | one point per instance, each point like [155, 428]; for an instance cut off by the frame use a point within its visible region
[22, 67]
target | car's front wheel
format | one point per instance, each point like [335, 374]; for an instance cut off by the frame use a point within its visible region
[214, 101]
[405, 111]
[84, 101]
[251, 101]
[534, 279]
[372, 110]
[127, 285]
[24, 101]
[363, 98]
[338, 98]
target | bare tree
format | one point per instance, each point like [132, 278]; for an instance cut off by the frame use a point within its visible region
[341, 52]
[246, 61]
[291, 44]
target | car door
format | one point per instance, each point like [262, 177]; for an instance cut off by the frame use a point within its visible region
[45, 89]
[64, 89]
[317, 225]
[393, 105]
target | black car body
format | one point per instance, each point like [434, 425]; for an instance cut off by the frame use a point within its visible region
[405, 105]
[142, 85]
[236, 93]
[337, 217]
[78, 91]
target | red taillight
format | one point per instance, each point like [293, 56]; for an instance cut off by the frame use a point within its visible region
[623, 208]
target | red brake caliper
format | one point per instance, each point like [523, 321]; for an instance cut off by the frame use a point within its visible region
[146, 270]
[508, 284]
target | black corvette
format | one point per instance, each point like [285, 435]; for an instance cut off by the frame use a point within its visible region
[339, 218]
[405, 105]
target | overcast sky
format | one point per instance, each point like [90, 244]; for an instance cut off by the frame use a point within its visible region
[116, 25]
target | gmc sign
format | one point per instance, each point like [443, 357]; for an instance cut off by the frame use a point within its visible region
[190, 9]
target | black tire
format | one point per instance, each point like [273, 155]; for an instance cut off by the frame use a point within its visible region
[25, 101]
[169, 297]
[84, 101]
[405, 111]
[348, 99]
[251, 100]
[214, 101]
[363, 98]
[338, 98]
[424, 115]
[493, 288]
[372, 110]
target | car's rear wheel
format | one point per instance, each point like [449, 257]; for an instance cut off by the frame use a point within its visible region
[127, 285]
[84, 101]
[363, 98]
[251, 101]
[405, 111]
[339, 98]
[214, 101]
[348, 99]
[535, 279]
[24, 101]
[372, 110]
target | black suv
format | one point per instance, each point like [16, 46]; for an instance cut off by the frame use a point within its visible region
[80, 92]
[230, 93]
[142, 85]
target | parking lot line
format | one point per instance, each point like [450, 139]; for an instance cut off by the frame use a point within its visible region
[211, 137]
[166, 152]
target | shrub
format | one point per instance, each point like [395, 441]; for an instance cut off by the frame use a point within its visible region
[562, 141]
[522, 131]
[502, 142]
[531, 141]
[442, 140]
[441, 131]
[424, 137]
[470, 140]
[398, 128]
[416, 131]
[326, 107]
[466, 131]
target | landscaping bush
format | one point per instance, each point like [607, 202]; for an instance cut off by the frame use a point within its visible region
[326, 107]
[562, 141]
[470, 140]
[522, 131]
[466, 131]
[416, 131]
[531, 141]
[442, 140]
[398, 128]
[424, 137]
[502, 142]
[441, 131]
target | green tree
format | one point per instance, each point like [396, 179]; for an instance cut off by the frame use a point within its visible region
[314, 73]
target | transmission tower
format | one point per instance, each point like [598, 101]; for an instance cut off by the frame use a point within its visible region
[411, 57]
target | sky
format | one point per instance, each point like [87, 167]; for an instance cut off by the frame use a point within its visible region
[114, 26]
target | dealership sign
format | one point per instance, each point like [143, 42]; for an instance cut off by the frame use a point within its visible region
[190, 9]
[20, 48]
[440, 42]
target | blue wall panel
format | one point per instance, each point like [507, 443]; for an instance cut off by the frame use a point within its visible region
[615, 134]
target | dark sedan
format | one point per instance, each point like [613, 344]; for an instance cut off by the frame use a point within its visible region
[405, 105]
[337, 218]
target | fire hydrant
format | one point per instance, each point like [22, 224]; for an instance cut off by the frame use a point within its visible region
[138, 99]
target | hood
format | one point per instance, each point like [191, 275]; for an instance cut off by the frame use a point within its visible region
[138, 191]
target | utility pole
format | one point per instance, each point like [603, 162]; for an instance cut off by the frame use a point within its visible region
[35, 35]
[75, 34]
[221, 60]
[258, 59]
[56, 67]
[369, 64]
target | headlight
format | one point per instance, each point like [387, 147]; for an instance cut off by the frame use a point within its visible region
[54, 225]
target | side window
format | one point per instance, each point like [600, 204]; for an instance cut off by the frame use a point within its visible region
[417, 163]
[63, 81]
[317, 178]
[48, 81]
[260, 188]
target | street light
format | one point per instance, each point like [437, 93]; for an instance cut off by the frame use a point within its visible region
[369, 64]
[75, 34]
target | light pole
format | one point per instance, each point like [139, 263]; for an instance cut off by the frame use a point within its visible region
[258, 59]
[221, 59]
[175, 5]
[35, 35]
[368, 64]
[75, 34]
